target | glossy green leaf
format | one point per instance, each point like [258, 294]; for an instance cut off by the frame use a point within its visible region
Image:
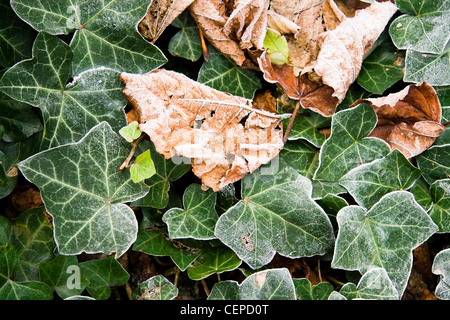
[441, 267]
[130, 132]
[84, 190]
[213, 260]
[186, 42]
[4, 223]
[225, 290]
[102, 275]
[276, 214]
[440, 212]
[143, 167]
[105, 33]
[301, 156]
[69, 109]
[444, 98]
[224, 74]
[431, 68]
[435, 163]
[383, 236]
[276, 47]
[198, 218]
[421, 192]
[305, 291]
[423, 27]
[373, 285]
[348, 146]
[155, 288]
[369, 182]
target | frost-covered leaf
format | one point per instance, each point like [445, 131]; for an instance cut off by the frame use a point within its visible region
[305, 291]
[84, 190]
[383, 236]
[32, 236]
[213, 260]
[369, 182]
[440, 212]
[348, 146]
[101, 275]
[155, 288]
[301, 156]
[276, 214]
[441, 267]
[224, 74]
[186, 42]
[421, 192]
[270, 284]
[70, 109]
[143, 167]
[16, 37]
[435, 163]
[444, 97]
[105, 34]
[382, 68]
[198, 218]
[423, 27]
[373, 285]
[431, 68]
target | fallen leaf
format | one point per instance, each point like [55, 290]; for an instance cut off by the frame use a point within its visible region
[232, 27]
[224, 136]
[159, 15]
[326, 54]
[408, 120]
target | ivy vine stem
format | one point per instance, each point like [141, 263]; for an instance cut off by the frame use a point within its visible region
[291, 122]
[134, 145]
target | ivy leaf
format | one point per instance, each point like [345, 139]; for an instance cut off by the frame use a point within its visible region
[444, 99]
[369, 182]
[441, 267]
[16, 37]
[277, 47]
[423, 27]
[69, 109]
[143, 167]
[186, 42]
[440, 212]
[421, 193]
[223, 74]
[105, 35]
[131, 132]
[32, 236]
[84, 190]
[305, 291]
[435, 163]
[430, 68]
[373, 285]
[271, 284]
[198, 218]
[155, 288]
[103, 274]
[382, 68]
[384, 236]
[213, 260]
[348, 145]
[276, 214]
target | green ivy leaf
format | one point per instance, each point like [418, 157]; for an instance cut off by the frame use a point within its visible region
[441, 267]
[276, 214]
[103, 274]
[155, 288]
[384, 236]
[69, 109]
[143, 167]
[421, 192]
[369, 182]
[213, 260]
[435, 163]
[276, 46]
[198, 218]
[301, 156]
[424, 26]
[131, 132]
[444, 98]
[440, 212]
[431, 68]
[225, 290]
[224, 74]
[186, 42]
[305, 291]
[348, 146]
[105, 34]
[84, 190]
[373, 285]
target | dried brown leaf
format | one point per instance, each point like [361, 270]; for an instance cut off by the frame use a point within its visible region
[224, 136]
[159, 15]
[408, 120]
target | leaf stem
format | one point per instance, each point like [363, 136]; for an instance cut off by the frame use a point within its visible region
[204, 47]
[134, 145]
[291, 122]
[205, 287]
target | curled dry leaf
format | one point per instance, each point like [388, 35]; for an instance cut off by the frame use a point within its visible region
[224, 136]
[408, 120]
[327, 51]
[232, 27]
[159, 15]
